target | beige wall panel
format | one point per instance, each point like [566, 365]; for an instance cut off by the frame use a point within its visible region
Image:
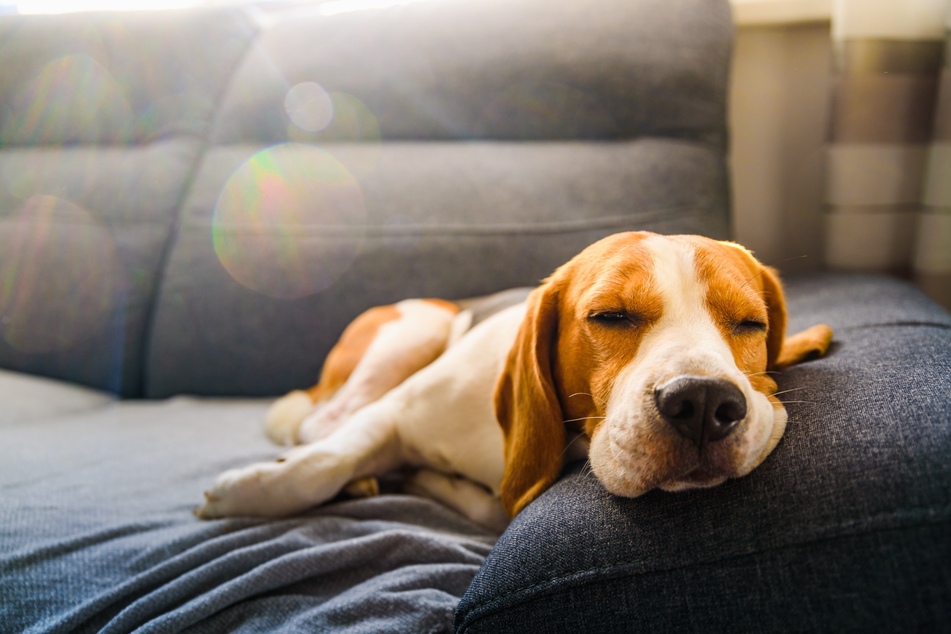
[933, 246]
[870, 240]
[779, 112]
[875, 174]
[938, 180]
[890, 19]
[883, 108]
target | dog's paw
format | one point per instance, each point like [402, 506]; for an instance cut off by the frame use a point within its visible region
[284, 417]
[303, 477]
[460, 494]
[253, 490]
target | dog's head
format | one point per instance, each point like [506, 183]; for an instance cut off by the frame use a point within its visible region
[660, 350]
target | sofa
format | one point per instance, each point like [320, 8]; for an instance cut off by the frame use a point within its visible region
[193, 205]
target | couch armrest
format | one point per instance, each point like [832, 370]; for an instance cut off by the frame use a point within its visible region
[844, 527]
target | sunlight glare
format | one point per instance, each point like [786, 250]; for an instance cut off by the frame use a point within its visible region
[72, 6]
[345, 6]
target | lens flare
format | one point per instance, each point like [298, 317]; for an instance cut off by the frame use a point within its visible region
[355, 127]
[289, 222]
[73, 98]
[309, 106]
[60, 276]
[353, 120]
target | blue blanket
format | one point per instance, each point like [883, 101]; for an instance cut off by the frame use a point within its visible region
[97, 531]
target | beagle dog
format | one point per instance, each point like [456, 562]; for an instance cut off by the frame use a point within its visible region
[654, 355]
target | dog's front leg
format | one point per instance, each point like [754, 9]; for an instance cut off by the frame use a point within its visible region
[309, 474]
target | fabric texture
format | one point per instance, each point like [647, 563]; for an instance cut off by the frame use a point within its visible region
[362, 158]
[843, 528]
[435, 220]
[198, 202]
[102, 123]
[427, 71]
[98, 534]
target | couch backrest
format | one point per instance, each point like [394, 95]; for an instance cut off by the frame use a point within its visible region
[103, 122]
[440, 148]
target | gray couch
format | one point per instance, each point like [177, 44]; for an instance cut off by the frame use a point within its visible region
[185, 230]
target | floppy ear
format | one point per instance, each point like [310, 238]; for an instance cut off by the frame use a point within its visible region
[527, 405]
[783, 351]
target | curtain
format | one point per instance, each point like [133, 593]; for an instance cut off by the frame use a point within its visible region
[888, 186]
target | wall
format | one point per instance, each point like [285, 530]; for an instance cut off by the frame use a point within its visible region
[778, 115]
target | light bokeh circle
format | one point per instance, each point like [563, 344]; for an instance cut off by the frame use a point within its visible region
[289, 221]
[61, 276]
[309, 106]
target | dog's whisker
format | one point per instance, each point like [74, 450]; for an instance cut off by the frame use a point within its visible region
[586, 469]
[575, 420]
[792, 389]
[809, 402]
[568, 444]
[751, 374]
[593, 397]
[747, 283]
[795, 257]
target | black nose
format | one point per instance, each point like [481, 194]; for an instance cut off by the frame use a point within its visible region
[700, 408]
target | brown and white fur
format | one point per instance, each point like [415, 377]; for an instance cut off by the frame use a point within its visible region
[652, 353]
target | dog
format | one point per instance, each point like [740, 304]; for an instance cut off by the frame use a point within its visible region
[651, 355]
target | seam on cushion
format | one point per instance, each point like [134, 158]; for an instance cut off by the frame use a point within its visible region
[896, 324]
[177, 218]
[882, 523]
[414, 231]
[60, 416]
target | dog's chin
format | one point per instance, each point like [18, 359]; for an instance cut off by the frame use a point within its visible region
[697, 479]
[631, 486]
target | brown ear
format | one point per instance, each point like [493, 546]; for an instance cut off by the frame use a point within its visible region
[783, 351]
[527, 406]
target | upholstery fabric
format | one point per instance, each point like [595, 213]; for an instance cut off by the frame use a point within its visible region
[435, 220]
[197, 202]
[102, 120]
[174, 219]
[843, 528]
[494, 69]
[98, 534]
[447, 169]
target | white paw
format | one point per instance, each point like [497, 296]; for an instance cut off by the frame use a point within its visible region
[240, 492]
[302, 478]
[285, 416]
[460, 494]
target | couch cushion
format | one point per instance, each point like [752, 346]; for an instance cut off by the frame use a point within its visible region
[98, 534]
[849, 301]
[487, 69]
[843, 527]
[101, 122]
[27, 398]
[114, 78]
[256, 293]
[451, 168]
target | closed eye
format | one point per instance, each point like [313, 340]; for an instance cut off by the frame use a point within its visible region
[614, 318]
[749, 326]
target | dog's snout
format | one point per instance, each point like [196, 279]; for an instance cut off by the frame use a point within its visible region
[702, 409]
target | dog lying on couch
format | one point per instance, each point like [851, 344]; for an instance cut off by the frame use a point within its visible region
[651, 354]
